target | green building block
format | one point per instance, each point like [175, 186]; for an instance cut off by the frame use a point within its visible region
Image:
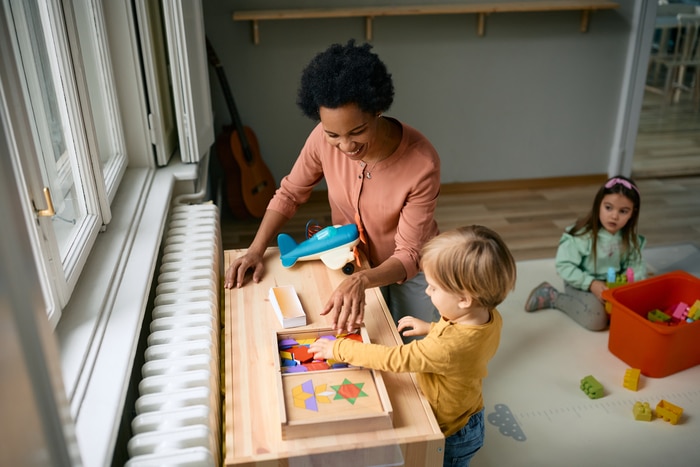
[592, 388]
[658, 316]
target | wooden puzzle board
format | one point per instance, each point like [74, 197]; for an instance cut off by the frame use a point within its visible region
[342, 401]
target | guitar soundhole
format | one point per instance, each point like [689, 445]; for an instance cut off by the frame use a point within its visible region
[259, 187]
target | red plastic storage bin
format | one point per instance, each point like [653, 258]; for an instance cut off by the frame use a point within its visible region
[657, 349]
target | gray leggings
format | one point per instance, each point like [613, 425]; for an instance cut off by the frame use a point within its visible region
[583, 307]
[410, 299]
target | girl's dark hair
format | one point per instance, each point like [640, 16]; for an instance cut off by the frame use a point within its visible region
[591, 223]
[344, 74]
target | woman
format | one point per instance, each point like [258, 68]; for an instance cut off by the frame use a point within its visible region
[381, 174]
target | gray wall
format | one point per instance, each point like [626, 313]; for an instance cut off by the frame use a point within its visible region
[533, 98]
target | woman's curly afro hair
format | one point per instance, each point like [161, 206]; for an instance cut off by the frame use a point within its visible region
[342, 75]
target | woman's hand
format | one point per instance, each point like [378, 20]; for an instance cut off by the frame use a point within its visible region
[413, 326]
[597, 288]
[271, 222]
[235, 274]
[322, 349]
[347, 304]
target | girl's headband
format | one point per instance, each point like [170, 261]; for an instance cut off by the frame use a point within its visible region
[621, 181]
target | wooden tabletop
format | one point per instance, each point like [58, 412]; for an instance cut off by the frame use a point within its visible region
[252, 422]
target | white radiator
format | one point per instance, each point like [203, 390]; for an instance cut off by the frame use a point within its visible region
[177, 420]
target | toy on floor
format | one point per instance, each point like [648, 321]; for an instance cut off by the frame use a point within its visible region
[334, 245]
[642, 411]
[591, 387]
[669, 412]
[631, 379]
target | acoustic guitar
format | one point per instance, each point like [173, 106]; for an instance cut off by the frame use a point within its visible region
[249, 182]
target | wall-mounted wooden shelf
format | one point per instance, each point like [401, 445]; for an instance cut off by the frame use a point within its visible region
[479, 9]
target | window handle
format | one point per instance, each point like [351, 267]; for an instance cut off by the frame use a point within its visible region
[49, 211]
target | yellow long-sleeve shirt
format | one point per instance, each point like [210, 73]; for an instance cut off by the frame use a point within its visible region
[450, 364]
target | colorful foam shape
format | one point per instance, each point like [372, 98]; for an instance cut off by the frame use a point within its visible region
[287, 343]
[301, 354]
[503, 418]
[294, 369]
[316, 366]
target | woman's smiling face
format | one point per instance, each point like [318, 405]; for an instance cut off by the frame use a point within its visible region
[351, 130]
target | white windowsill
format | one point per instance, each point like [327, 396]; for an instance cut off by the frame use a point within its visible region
[98, 332]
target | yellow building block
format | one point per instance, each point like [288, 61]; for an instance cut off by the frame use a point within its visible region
[694, 311]
[669, 412]
[631, 379]
[642, 411]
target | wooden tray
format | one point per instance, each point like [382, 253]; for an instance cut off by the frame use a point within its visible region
[337, 401]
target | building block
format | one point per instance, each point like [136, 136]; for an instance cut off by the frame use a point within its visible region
[680, 311]
[631, 379]
[642, 411]
[668, 411]
[616, 280]
[694, 311]
[592, 388]
[658, 316]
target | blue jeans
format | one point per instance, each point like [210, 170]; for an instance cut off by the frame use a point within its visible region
[461, 446]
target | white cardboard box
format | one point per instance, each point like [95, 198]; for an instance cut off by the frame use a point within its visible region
[285, 302]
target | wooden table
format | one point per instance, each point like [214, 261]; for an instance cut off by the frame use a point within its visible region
[252, 424]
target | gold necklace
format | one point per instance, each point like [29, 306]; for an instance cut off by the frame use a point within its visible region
[369, 171]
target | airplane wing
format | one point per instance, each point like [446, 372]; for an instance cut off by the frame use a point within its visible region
[339, 257]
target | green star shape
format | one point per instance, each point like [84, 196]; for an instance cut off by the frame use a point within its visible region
[349, 391]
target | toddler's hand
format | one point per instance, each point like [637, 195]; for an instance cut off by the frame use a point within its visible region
[597, 288]
[413, 326]
[322, 349]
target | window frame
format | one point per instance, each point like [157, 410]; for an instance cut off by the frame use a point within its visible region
[61, 270]
[95, 341]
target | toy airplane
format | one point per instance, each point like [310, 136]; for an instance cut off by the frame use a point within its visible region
[333, 245]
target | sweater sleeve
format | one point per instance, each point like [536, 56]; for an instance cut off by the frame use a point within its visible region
[417, 223]
[421, 356]
[570, 258]
[295, 188]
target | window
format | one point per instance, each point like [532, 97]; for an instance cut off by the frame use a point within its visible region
[86, 105]
[74, 131]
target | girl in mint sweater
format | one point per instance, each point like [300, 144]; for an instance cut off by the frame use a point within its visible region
[606, 238]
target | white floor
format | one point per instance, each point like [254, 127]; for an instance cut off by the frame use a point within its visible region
[533, 387]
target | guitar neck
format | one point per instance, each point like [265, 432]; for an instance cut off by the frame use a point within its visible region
[230, 102]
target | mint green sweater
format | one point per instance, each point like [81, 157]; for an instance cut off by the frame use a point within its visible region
[574, 260]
